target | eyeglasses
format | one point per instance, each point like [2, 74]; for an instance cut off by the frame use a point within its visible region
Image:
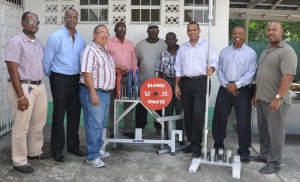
[32, 22]
[102, 33]
[153, 30]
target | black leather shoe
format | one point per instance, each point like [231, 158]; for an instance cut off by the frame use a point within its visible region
[245, 159]
[269, 169]
[59, 157]
[129, 135]
[196, 155]
[181, 143]
[26, 169]
[39, 157]
[111, 135]
[257, 159]
[188, 149]
[77, 152]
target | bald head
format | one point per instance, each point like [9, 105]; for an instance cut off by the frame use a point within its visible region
[274, 32]
[70, 11]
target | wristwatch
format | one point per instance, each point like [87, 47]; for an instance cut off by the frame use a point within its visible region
[278, 97]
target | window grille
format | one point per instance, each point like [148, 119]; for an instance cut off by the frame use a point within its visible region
[17, 2]
[145, 11]
[55, 10]
[197, 10]
[94, 11]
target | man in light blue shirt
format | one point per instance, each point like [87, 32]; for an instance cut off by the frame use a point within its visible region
[62, 66]
[192, 68]
[237, 67]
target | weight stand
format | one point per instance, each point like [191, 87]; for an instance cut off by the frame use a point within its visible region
[210, 158]
[138, 131]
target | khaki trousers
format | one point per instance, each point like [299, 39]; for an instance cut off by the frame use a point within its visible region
[27, 131]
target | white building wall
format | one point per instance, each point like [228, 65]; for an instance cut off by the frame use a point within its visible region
[137, 32]
[10, 16]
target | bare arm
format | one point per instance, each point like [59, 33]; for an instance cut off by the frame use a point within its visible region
[88, 79]
[285, 84]
[177, 89]
[123, 68]
[253, 99]
[12, 68]
[210, 70]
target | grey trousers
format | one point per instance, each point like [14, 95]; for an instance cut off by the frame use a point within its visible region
[271, 127]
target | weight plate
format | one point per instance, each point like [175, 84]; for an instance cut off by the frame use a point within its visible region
[156, 93]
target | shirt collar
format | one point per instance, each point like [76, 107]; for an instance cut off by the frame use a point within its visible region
[67, 31]
[281, 44]
[115, 39]
[97, 45]
[26, 38]
[244, 45]
[177, 47]
[200, 41]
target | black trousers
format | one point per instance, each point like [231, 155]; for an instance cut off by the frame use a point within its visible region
[141, 117]
[176, 105]
[193, 96]
[65, 93]
[241, 103]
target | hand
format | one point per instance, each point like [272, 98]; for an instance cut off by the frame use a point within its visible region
[209, 71]
[124, 70]
[23, 104]
[177, 92]
[231, 87]
[236, 93]
[94, 99]
[254, 102]
[275, 104]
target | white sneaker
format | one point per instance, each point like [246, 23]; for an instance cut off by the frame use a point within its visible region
[96, 162]
[103, 153]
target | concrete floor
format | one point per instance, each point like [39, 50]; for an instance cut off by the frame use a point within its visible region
[141, 163]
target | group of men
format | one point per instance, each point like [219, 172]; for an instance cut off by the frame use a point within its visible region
[84, 77]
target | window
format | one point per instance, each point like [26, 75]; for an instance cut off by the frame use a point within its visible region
[196, 10]
[94, 11]
[145, 11]
[17, 2]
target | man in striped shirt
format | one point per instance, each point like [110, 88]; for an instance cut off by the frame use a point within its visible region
[165, 68]
[97, 79]
[27, 93]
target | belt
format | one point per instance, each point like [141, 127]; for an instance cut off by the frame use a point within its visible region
[97, 89]
[195, 77]
[31, 82]
[61, 74]
[170, 77]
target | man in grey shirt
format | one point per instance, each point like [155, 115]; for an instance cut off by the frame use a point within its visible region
[276, 70]
[147, 52]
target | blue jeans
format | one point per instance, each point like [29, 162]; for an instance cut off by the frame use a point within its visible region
[94, 120]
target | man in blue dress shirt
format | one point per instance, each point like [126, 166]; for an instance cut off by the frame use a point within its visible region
[62, 66]
[237, 66]
[192, 68]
